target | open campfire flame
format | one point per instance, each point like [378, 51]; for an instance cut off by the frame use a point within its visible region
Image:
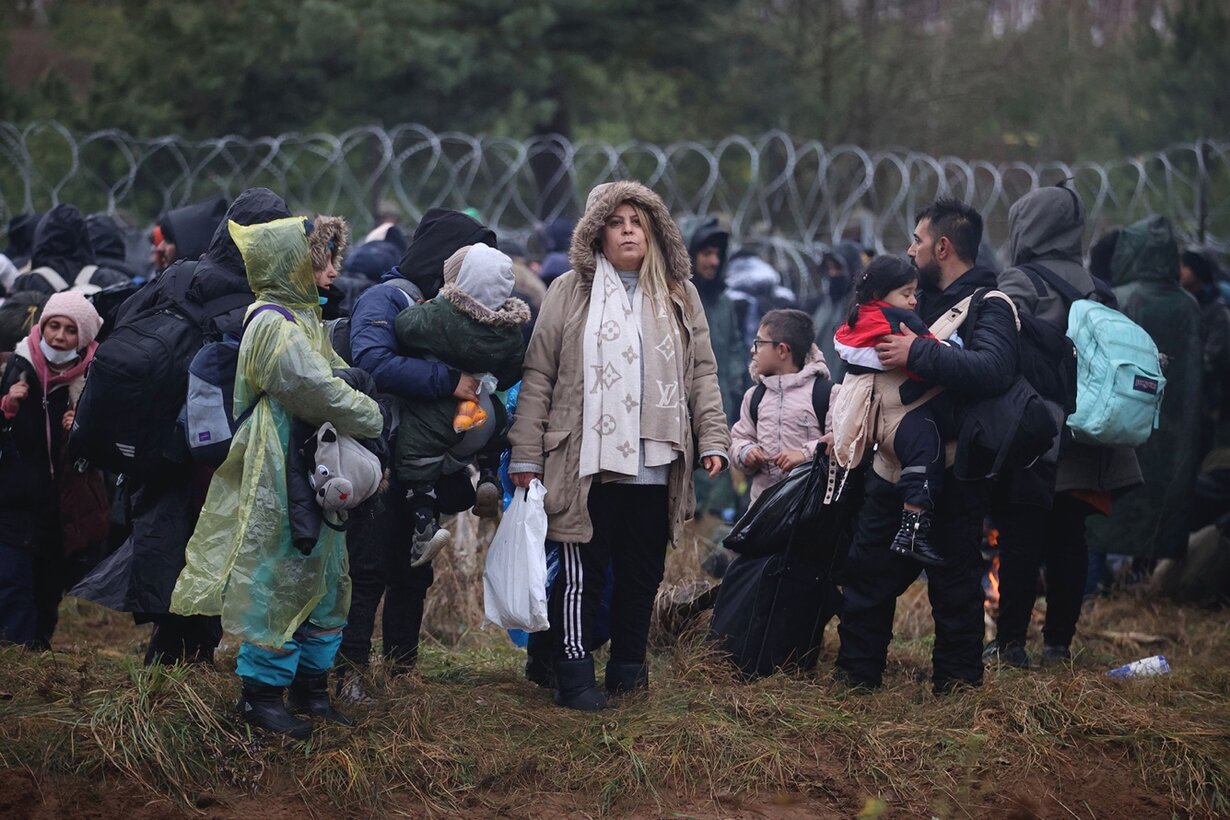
[991, 602]
[990, 587]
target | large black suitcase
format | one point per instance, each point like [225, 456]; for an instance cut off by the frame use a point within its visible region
[771, 610]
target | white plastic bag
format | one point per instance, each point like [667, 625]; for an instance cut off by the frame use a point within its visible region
[515, 580]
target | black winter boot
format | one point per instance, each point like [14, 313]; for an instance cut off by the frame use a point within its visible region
[622, 678]
[309, 695]
[577, 687]
[539, 651]
[262, 706]
[913, 540]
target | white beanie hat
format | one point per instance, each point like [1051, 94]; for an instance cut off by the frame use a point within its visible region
[486, 275]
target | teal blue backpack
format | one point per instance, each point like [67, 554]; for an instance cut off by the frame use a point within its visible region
[1119, 381]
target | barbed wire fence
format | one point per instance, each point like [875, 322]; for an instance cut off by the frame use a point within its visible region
[793, 197]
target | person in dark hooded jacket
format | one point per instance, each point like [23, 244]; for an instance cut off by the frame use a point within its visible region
[141, 574]
[707, 244]
[556, 237]
[1041, 512]
[187, 232]
[1199, 276]
[945, 246]
[844, 266]
[21, 239]
[1152, 521]
[107, 239]
[379, 540]
[63, 257]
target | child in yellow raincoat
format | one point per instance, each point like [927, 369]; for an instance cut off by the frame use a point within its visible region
[288, 608]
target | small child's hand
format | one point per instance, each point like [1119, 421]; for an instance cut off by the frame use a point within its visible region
[67, 421]
[467, 388]
[789, 459]
[755, 459]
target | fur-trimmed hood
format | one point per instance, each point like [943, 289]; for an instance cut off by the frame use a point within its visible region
[513, 313]
[603, 200]
[328, 230]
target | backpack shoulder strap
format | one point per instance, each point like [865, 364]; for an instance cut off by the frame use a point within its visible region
[283, 312]
[1057, 283]
[821, 392]
[983, 294]
[84, 275]
[411, 290]
[288, 316]
[753, 409]
[54, 279]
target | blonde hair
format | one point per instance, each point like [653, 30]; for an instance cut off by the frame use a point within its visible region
[658, 283]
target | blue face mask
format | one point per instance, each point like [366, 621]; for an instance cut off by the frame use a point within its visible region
[54, 356]
[324, 300]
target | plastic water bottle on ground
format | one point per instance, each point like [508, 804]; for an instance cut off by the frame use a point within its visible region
[1143, 668]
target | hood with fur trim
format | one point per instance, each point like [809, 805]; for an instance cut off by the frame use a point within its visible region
[513, 313]
[328, 230]
[602, 202]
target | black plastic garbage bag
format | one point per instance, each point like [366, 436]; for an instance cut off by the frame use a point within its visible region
[766, 527]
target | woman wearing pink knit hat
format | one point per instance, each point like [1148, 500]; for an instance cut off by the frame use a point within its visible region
[48, 508]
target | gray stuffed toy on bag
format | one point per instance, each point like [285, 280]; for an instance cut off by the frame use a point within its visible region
[346, 474]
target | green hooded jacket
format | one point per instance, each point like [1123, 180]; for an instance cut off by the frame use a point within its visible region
[240, 561]
[453, 328]
[1152, 520]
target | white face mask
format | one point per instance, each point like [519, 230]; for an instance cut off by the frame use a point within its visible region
[56, 356]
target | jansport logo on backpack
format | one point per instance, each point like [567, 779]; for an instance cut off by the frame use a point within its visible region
[1119, 381]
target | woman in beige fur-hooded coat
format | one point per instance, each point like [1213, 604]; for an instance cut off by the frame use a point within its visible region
[619, 403]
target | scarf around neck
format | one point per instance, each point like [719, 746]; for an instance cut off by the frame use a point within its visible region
[633, 375]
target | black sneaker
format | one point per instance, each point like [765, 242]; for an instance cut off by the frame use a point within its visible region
[1054, 654]
[1011, 654]
[913, 540]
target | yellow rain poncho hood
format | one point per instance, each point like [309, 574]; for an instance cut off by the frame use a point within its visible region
[241, 563]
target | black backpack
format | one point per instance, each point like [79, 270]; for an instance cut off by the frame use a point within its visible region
[1016, 428]
[138, 381]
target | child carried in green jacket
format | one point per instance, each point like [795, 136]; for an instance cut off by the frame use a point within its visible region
[474, 326]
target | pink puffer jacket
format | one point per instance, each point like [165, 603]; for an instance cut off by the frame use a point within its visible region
[786, 420]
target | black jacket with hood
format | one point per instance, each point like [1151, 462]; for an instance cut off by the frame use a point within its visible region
[725, 334]
[140, 575]
[193, 227]
[107, 239]
[220, 272]
[62, 243]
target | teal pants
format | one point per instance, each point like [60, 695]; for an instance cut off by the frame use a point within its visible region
[311, 649]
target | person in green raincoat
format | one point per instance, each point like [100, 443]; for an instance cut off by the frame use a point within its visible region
[287, 607]
[1151, 521]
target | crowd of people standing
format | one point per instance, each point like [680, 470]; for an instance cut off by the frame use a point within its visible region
[661, 377]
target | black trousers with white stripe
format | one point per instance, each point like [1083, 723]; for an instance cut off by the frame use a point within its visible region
[631, 532]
